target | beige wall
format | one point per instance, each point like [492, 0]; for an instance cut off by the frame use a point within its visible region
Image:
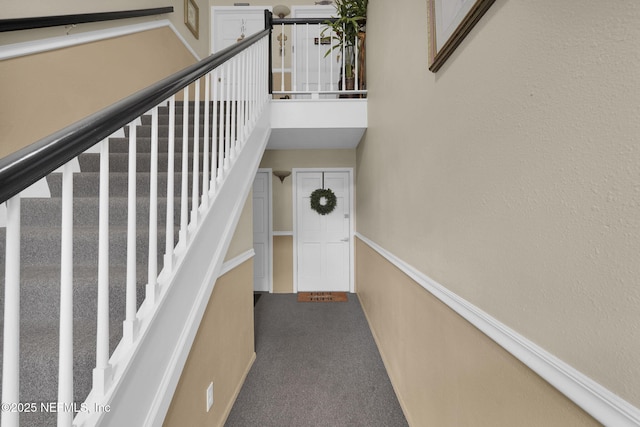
[444, 370]
[283, 264]
[222, 352]
[511, 175]
[42, 93]
[242, 239]
[35, 8]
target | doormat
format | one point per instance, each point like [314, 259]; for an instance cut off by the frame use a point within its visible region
[322, 296]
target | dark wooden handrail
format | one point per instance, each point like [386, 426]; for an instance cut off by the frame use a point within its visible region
[26, 166]
[17, 24]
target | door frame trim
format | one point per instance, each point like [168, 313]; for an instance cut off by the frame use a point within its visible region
[294, 192]
[269, 172]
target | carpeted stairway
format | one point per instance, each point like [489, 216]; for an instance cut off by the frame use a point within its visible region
[40, 257]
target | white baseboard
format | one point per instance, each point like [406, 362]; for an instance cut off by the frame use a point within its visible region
[596, 400]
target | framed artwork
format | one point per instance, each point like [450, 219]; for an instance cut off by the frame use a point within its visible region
[192, 17]
[449, 23]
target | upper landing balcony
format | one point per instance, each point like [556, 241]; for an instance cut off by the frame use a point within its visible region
[317, 82]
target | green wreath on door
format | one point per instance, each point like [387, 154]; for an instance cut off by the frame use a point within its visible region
[323, 201]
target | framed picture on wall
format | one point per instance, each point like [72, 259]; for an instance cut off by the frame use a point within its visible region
[449, 23]
[192, 17]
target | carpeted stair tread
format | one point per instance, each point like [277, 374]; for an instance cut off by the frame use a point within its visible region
[143, 144]
[119, 162]
[40, 292]
[86, 211]
[87, 184]
[42, 244]
[39, 347]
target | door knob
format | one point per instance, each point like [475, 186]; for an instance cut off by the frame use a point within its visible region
[346, 239]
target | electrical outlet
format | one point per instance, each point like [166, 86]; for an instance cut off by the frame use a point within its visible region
[209, 396]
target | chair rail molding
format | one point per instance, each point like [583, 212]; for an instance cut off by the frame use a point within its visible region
[593, 398]
[38, 46]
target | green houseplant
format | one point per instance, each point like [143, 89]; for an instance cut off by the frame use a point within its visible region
[348, 28]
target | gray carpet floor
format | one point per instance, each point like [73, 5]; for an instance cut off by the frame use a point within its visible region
[317, 365]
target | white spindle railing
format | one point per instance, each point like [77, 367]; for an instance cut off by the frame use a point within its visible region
[316, 69]
[235, 93]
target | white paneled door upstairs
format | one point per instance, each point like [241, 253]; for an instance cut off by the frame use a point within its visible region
[322, 241]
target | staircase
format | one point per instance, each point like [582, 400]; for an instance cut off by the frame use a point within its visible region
[40, 260]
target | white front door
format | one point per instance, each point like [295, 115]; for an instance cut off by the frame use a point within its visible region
[323, 241]
[262, 232]
[313, 70]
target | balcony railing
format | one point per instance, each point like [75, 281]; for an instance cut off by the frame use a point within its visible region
[310, 61]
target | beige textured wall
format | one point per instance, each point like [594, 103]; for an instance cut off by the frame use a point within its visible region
[62, 86]
[282, 264]
[511, 176]
[242, 239]
[222, 352]
[35, 8]
[444, 370]
[289, 159]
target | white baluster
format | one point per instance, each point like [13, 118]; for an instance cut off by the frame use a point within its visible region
[250, 106]
[331, 56]
[102, 371]
[196, 155]
[205, 146]
[308, 88]
[319, 59]
[355, 61]
[234, 106]
[130, 325]
[65, 358]
[184, 199]
[344, 63]
[221, 133]
[168, 250]
[11, 340]
[152, 266]
[227, 136]
[243, 96]
[294, 57]
[214, 134]
[282, 53]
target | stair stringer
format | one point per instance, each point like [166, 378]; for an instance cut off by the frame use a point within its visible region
[147, 373]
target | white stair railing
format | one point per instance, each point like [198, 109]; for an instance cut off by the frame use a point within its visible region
[237, 90]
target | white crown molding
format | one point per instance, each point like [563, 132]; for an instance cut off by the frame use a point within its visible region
[38, 46]
[600, 403]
